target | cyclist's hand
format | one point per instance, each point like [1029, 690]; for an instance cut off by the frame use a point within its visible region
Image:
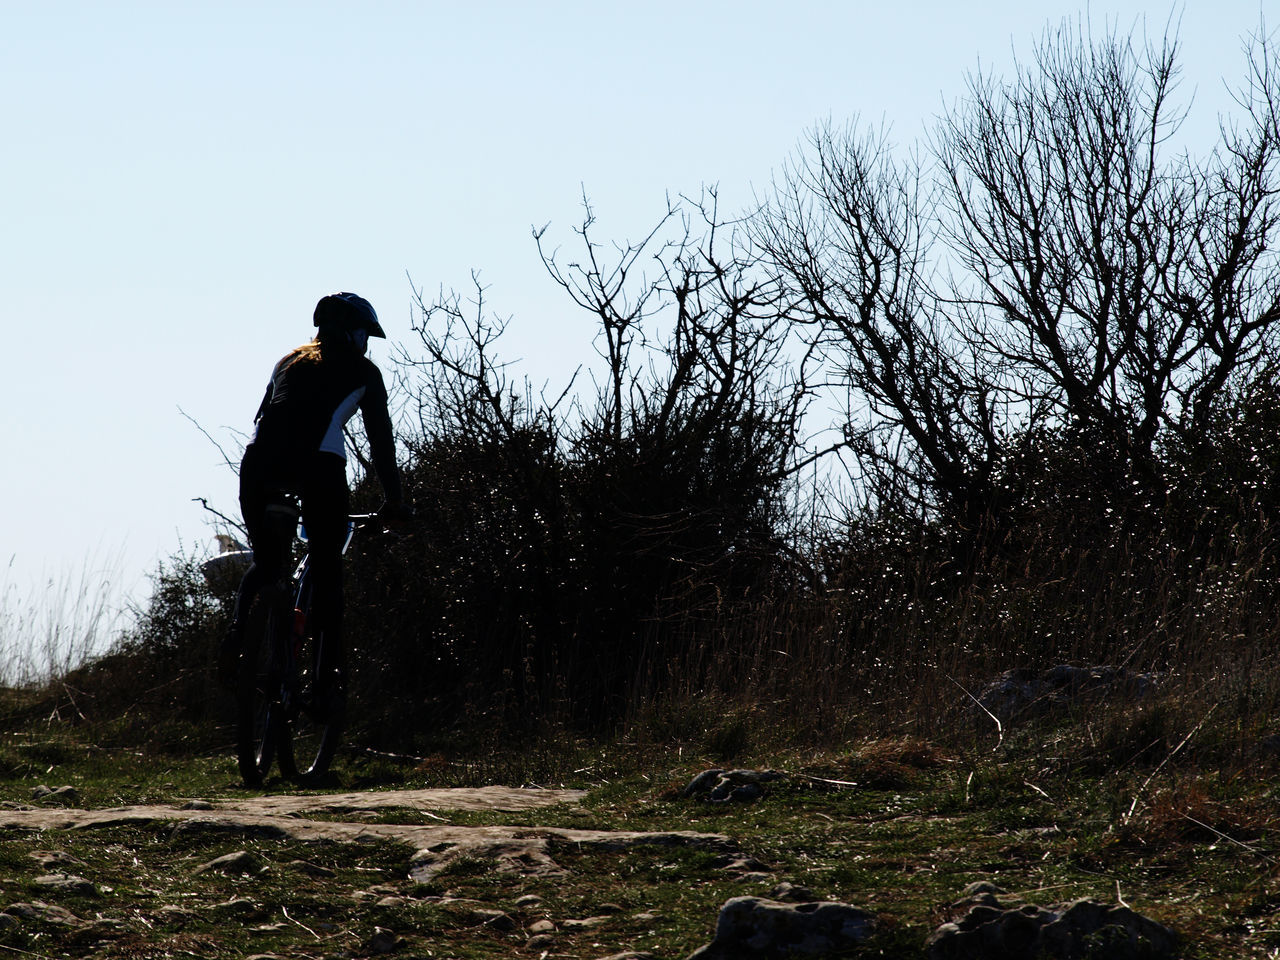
[395, 516]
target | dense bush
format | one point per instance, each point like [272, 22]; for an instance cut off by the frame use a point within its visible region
[563, 560]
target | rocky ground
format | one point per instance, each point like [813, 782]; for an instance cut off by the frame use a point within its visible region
[480, 872]
[269, 888]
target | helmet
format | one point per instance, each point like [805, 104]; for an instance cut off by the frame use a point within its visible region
[347, 312]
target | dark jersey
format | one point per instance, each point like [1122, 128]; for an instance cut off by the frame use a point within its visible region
[308, 402]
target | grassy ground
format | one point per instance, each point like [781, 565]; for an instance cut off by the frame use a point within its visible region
[1194, 849]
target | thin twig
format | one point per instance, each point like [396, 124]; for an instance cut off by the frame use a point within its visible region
[227, 459]
[221, 516]
[999, 725]
[834, 783]
[74, 706]
[1038, 790]
[1218, 833]
[398, 757]
[285, 911]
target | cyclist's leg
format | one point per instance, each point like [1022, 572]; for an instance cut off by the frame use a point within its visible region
[270, 547]
[325, 505]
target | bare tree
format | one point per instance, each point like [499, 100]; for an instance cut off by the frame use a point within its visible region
[693, 336]
[458, 386]
[1054, 267]
[850, 233]
[1129, 288]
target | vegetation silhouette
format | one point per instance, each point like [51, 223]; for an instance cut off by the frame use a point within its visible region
[1052, 344]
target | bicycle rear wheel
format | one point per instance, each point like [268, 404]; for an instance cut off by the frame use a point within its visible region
[259, 715]
[312, 724]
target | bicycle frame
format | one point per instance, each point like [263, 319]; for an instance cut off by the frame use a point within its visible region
[301, 590]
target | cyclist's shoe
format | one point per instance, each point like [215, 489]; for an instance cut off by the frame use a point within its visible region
[331, 705]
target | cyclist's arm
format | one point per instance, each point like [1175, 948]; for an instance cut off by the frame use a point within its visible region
[382, 443]
[266, 399]
[270, 393]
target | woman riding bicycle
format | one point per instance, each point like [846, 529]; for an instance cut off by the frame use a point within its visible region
[298, 450]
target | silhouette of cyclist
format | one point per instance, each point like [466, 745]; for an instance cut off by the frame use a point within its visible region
[298, 449]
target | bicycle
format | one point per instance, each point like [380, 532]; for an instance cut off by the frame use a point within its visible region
[278, 716]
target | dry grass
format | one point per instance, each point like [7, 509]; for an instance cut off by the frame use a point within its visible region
[897, 651]
[49, 628]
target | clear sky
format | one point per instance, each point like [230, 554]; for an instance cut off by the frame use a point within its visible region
[181, 181]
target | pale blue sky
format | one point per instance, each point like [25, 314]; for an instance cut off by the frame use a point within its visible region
[182, 181]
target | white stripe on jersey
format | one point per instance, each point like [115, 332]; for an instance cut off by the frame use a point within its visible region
[333, 441]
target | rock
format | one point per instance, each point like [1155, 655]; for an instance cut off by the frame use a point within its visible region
[44, 912]
[787, 892]
[66, 795]
[725, 786]
[49, 859]
[98, 931]
[526, 856]
[725, 791]
[382, 942]
[543, 941]
[542, 926]
[703, 782]
[584, 923]
[67, 883]
[744, 868]
[239, 862]
[196, 805]
[751, 928]
[988, 928]
[528, 900]
[979, 887]
[1021, 692]
[1123, 932]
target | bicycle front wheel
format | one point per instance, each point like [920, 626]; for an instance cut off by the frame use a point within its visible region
[259, 713]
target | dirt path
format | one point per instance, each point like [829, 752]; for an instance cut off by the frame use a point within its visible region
[344, 817]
